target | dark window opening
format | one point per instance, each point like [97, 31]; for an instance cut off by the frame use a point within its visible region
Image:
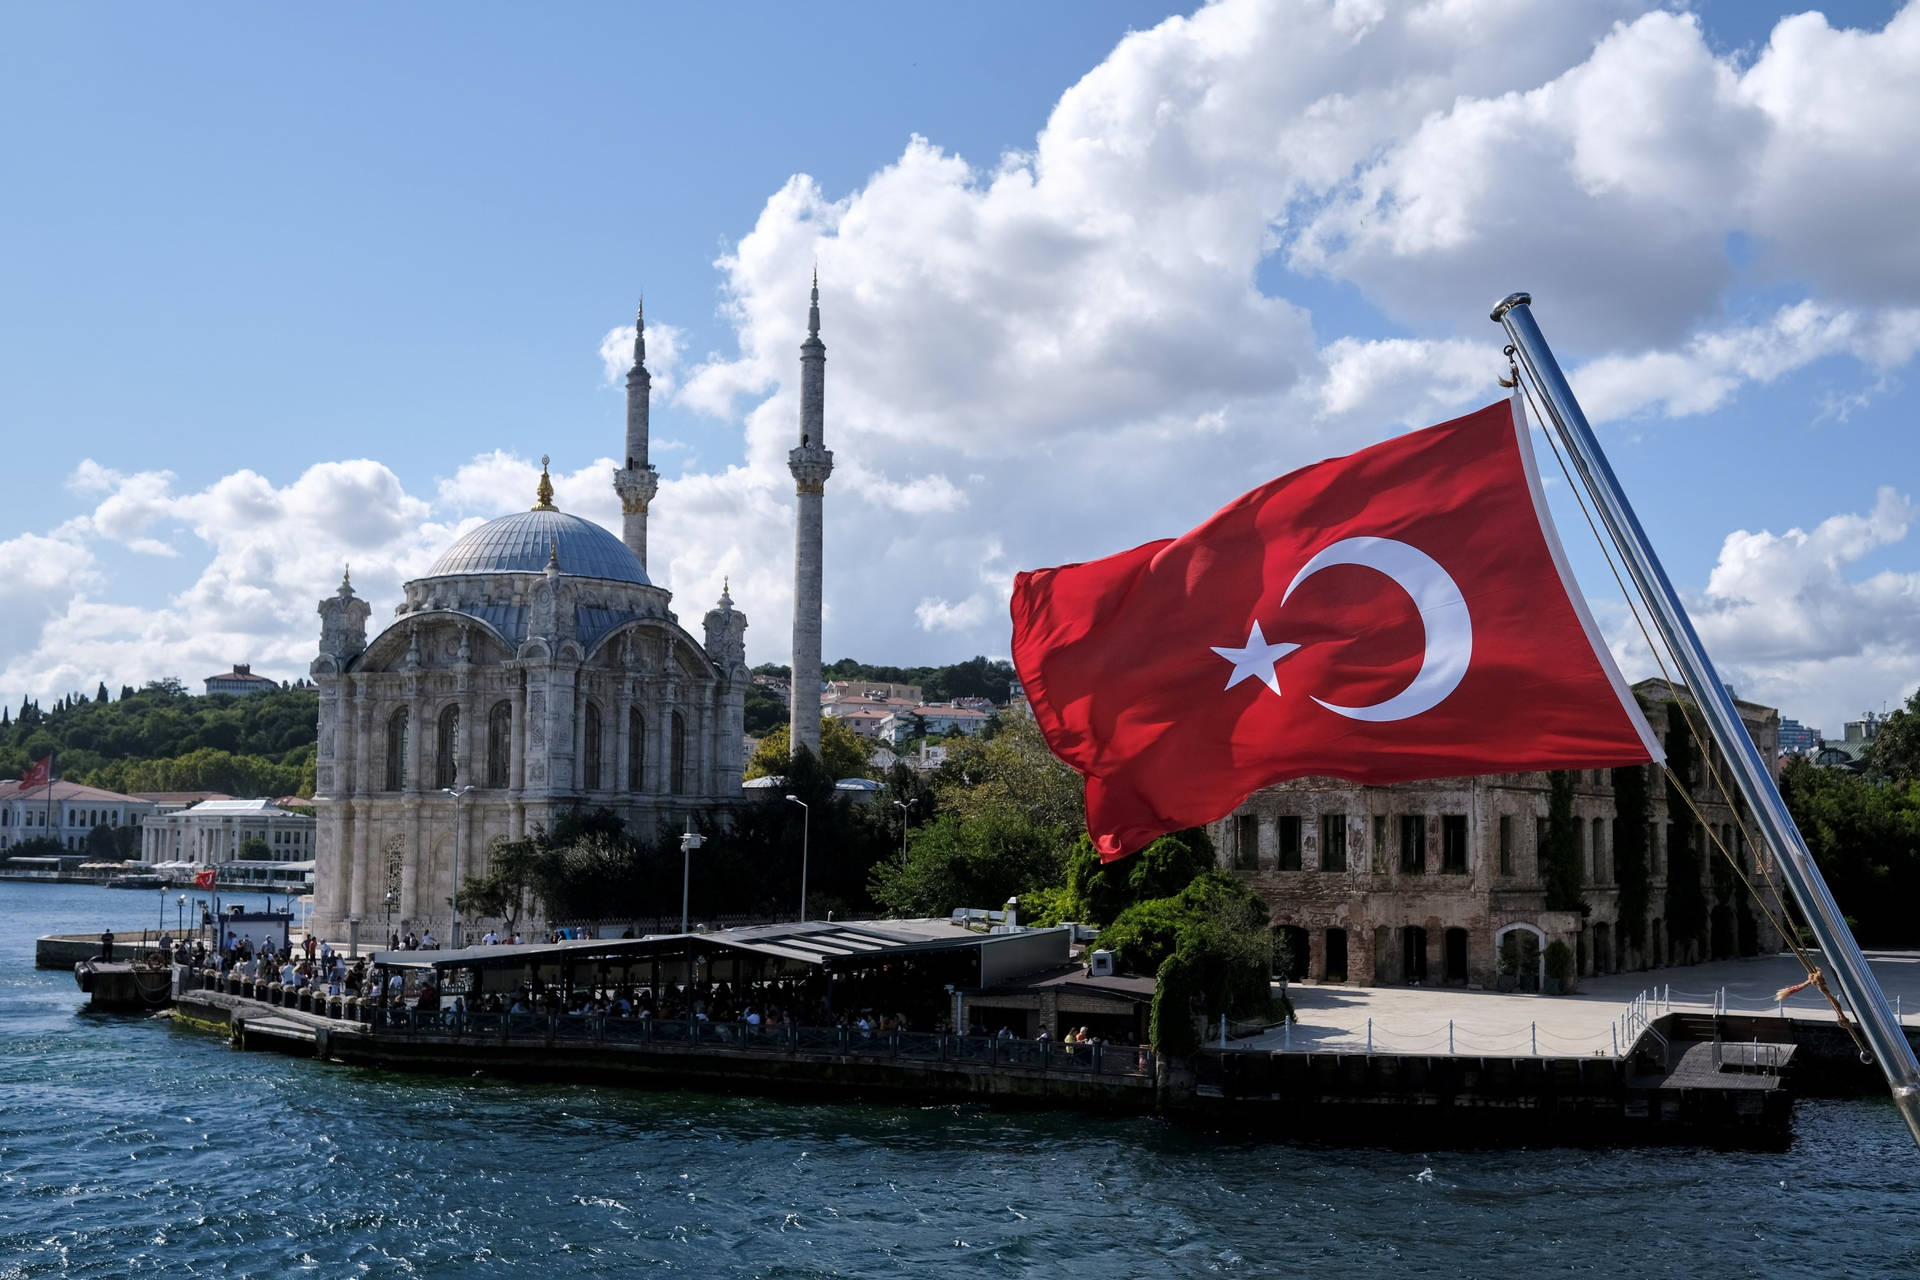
[1289, 831]
[1413, 842]
[1246, 842]
[1336, 958]
[499, 744]
[1453, 844]
[1333, 842]
[591, 748]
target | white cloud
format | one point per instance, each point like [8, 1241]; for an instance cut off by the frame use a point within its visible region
[663, 355]
[1065, 350]
[1788, 624]
[1706, 371]
[945, 615]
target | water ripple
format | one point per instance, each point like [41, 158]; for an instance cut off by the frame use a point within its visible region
[127, 1148]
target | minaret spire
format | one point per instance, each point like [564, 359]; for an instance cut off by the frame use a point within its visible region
[637, 482]
[811, 463]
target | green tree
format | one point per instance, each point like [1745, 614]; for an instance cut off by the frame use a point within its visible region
[1865, 838]
[843, 752]
[765, 711]
[1631, 817]
[977, 861]
[1170, 1026]
[1100, 891]
[1560, 860]
[1686, 907]
[254, 849]
[1014, 769]
[1894, 754]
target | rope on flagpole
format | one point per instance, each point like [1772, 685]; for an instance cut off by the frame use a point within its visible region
[1634, 602]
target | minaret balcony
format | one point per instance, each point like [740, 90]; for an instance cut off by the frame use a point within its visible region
[636, 487]
[810, 465]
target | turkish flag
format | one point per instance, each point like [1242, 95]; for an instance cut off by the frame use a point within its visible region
[1403, 612]
[38, 774]
[203, 878]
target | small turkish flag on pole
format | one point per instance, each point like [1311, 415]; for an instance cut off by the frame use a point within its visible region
[38, 774]
[203, 878]
[1403, 612]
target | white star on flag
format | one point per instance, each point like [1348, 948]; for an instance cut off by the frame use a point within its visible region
[1248, 662]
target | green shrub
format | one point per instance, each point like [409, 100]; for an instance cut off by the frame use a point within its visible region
[1171, 1029]
[1559, 961]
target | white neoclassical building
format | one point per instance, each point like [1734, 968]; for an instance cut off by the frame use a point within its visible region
[213, 831]
[533, 670]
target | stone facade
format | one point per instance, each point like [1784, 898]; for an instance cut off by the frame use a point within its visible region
[1425, 881]
[532, 671]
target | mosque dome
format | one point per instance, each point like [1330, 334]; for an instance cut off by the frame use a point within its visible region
[522, 543]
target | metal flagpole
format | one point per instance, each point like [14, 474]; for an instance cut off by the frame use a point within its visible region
[1751, 774]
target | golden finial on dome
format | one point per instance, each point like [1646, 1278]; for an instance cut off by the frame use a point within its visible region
[545, 492]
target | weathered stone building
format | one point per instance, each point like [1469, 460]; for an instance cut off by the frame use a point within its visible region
[1442, 881]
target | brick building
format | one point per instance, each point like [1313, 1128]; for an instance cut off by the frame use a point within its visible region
[1440, 881]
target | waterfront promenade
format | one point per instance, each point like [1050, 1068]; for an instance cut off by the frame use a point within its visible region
[1415, 1020]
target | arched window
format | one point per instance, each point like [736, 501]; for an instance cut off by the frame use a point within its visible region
[636, 750]
[499, 744]
[591, 765]
[446, 748]
[677, 760]
[397, 751]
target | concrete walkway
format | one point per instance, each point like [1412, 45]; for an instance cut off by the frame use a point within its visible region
[1416, 1019]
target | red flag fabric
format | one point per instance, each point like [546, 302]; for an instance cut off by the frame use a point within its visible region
[1404, 612]
[37, 774]
[203, 878]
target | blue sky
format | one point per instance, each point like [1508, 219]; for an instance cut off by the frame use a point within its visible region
[295, 287]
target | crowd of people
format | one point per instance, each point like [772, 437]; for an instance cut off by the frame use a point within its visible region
[312, 964]
[867, 1004]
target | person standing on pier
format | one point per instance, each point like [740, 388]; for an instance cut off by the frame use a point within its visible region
[106, 946]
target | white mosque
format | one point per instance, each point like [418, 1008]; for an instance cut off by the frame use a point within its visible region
[533, 670]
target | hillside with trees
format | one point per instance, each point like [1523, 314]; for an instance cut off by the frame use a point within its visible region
[161, 738]
[977, 677]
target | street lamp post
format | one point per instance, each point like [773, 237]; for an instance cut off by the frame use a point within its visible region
[806, 831]
[389, 915]
[689, 841]
[453, 903]
[903, 806]
[180, 914]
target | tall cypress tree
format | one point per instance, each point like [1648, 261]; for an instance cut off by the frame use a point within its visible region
[1630, 851]
[1560, 861]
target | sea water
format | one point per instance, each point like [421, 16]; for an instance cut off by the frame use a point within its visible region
[130, 1147]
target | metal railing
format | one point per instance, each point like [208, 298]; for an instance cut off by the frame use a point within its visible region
[1757, 1057]
[1635, 1024]
[891, 1046]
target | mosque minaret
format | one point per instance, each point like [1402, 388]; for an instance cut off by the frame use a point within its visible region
[637, 482]
[533, 671]
[811, 463]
